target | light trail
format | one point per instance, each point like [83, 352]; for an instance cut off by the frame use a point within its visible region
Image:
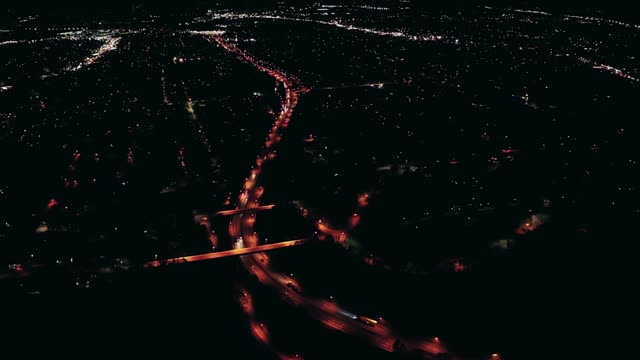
[525, 11]
[592, 19]
[9, 42]
[239, 211]
[608, 21]
[227, 253]
[611, 69]
[163, 84]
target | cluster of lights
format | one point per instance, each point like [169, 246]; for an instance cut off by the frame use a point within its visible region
[615, 71]
[366, 7]
[208, 32]
[8, 42]
[599, 20]
[379, 32]
[522, 11]
[331, 23]
[110, 44]
[569, 17]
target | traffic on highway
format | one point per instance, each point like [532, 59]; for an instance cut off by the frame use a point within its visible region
[377, 331]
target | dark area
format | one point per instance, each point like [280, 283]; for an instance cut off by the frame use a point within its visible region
[150, 313]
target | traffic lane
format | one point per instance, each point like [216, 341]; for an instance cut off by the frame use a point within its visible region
[260, 332]
[325, 311]
[351, 327]
[330, 314]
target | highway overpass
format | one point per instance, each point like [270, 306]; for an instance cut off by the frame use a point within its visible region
[245, 210]
[227, 253]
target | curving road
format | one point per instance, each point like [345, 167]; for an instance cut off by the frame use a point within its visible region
[378, 332]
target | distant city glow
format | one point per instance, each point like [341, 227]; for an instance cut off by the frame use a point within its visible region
[334, 23]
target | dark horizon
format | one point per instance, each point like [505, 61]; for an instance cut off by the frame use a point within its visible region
[615, 8]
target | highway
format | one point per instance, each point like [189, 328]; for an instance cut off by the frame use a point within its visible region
[378, 332]
[227, 253]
